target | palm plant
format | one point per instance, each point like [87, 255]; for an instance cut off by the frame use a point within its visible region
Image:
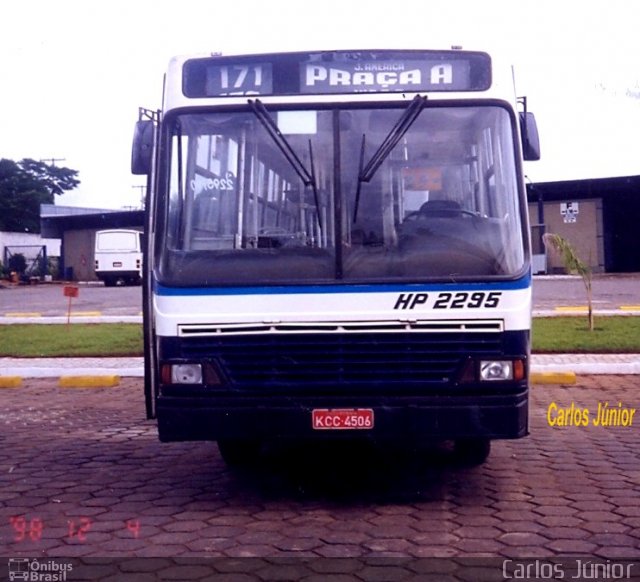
[573, 264]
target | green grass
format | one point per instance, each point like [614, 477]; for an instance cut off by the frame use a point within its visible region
[75, 340]
[550, 334]
[572, 335]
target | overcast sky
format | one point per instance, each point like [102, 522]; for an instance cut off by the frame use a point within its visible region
[74, 72]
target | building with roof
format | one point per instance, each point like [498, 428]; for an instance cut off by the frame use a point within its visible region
[599, 217]
[76, 228]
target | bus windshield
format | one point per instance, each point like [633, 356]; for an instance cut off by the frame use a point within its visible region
[336, 194]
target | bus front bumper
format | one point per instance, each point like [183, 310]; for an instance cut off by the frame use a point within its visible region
[423, 418]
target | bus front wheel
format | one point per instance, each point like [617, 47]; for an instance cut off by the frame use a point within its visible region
[239, 452]
[472, 452]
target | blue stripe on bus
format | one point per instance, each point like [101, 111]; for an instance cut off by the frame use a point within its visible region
[523, 283]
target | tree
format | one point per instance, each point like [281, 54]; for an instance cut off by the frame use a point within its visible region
[572, 264]
[18, 263]
[26, 184]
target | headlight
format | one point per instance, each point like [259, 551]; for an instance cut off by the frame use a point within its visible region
[186, 374]
[192, 373]
[514, 370]
[496, 370]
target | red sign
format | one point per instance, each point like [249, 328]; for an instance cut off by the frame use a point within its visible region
[70, 291]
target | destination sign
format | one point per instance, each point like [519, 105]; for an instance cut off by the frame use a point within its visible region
[337, 72]
[399, 75]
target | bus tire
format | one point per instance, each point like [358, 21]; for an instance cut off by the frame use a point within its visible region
[239, 452]
[472, 452]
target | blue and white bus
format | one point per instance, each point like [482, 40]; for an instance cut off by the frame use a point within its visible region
[338, 246]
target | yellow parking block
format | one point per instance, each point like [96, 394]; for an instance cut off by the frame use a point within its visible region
[552, 378]
[630, 307]
[106, 381]
[23, 314]
[572, 308]
[86, 313]
[10, 381]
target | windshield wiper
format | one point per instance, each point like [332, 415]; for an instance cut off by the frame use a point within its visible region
[405, 121]
[308, 177]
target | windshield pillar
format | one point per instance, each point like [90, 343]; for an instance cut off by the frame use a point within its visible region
[337, 188]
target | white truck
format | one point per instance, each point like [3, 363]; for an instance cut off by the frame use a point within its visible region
[118, 257]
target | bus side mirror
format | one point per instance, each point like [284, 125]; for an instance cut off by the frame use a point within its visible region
[142, 150]
[529, 136]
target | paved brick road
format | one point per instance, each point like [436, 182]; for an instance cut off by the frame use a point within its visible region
[82, 474]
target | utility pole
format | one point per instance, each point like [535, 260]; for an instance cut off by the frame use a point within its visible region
[142, 194]
[52, 161]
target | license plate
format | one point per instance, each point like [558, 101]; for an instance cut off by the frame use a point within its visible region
[118, 264]
[342, 419]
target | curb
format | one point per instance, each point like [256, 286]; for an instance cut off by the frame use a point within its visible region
[107, 372]
[111, 380]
